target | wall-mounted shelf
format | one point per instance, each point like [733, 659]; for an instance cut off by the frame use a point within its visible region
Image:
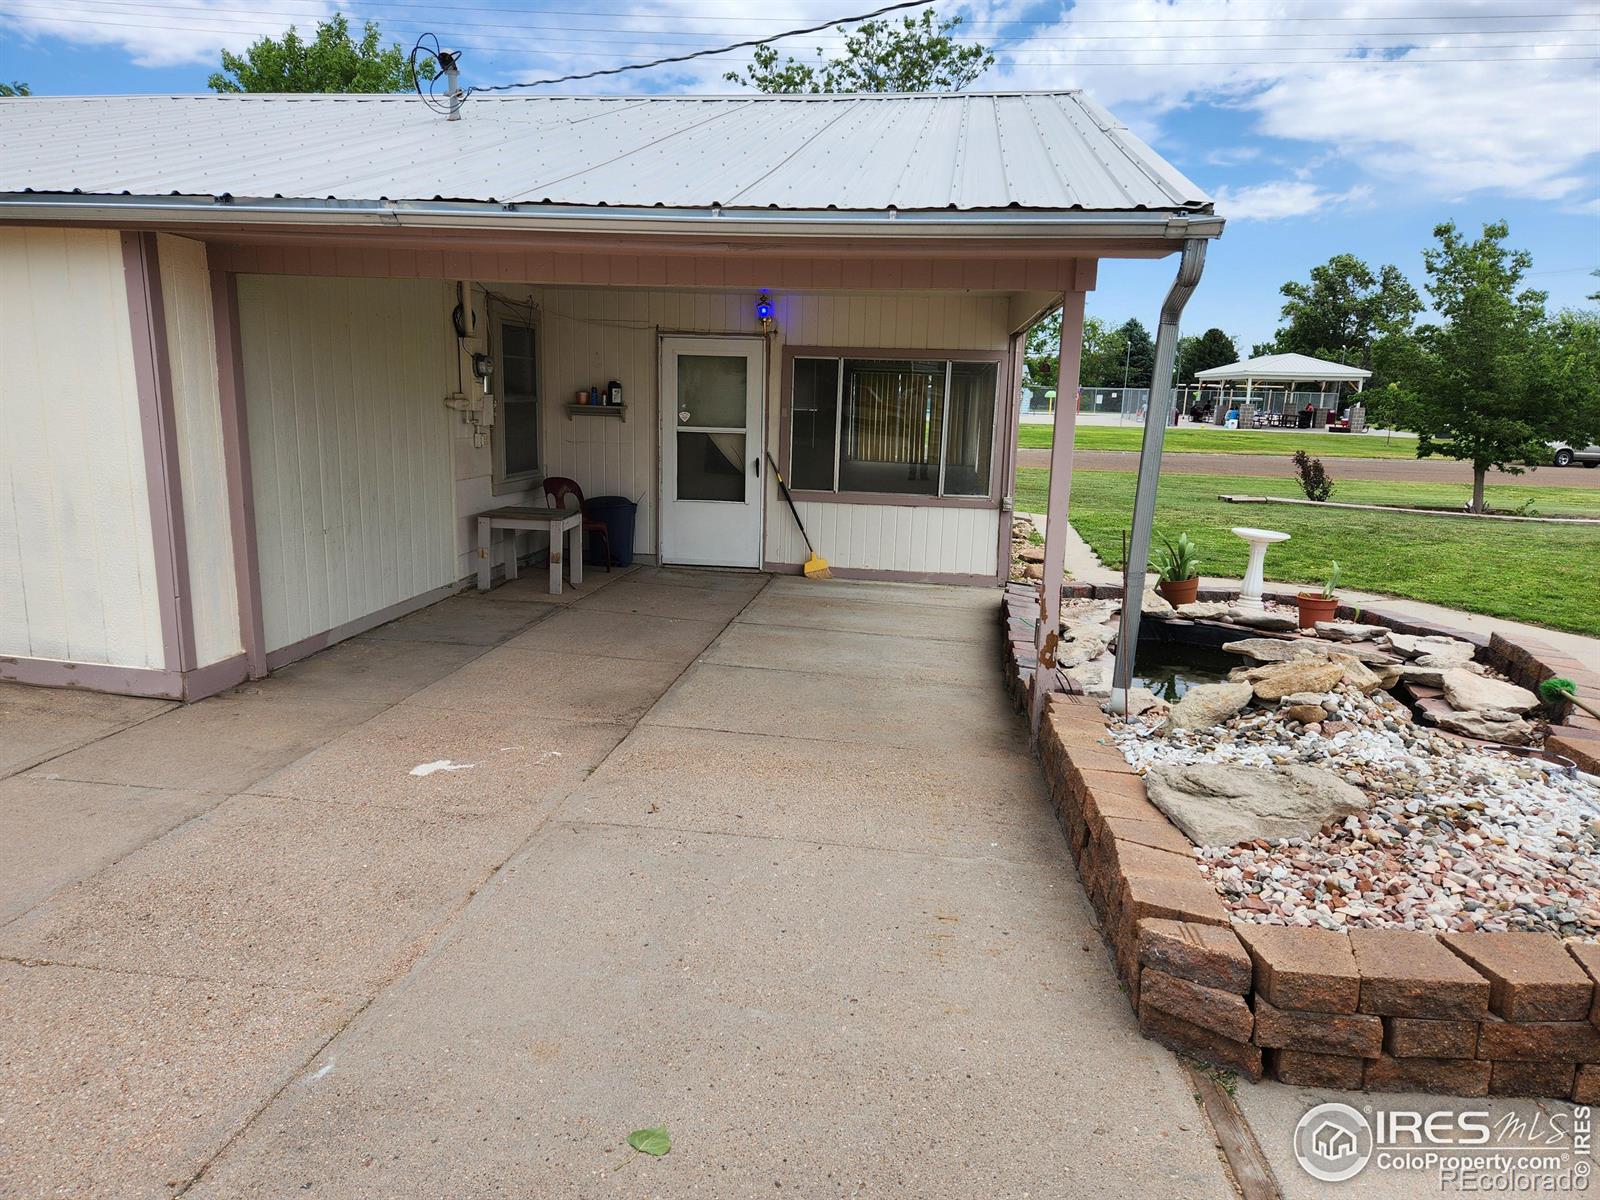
[620, 411]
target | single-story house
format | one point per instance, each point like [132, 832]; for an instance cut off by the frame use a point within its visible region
[267, 356]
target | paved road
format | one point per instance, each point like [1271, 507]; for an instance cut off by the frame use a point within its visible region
[1399, 470]
[768, 861]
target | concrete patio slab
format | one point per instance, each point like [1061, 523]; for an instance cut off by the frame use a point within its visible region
[37, 723]
[979, 599]
[861, 795]
[124, 1085]
[498, 761]
[713, 579]
[569, 686]
[670, 600]
[1273, 1110]
[863, 655]
[532, 586]
[383, 670]
[53, 832]
[611, 634]
[799, 1029]
[850, 615]
[467, 620]
[268, 891]
[220, 745]
[821, 921]
[840, 708]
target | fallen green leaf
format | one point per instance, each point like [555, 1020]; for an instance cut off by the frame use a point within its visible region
[653, 1141]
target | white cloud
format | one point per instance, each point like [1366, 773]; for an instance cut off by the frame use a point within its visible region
[194, 33]
[1280, 199]
[1429, 122]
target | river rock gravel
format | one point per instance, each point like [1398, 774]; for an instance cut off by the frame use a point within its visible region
[1455, 837]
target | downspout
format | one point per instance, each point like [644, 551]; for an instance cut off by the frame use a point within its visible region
[1144, 497]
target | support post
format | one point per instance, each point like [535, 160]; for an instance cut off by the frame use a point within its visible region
[1064, 430]
[1144, 499]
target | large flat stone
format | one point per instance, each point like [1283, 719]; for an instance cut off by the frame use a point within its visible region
[221, 745]
[1470, 692]
[933, 802]
[1207, 704]
[53, 832]
[274, 892]
[1221, 805]
[124, 1085]
[498, 761]
[840, 708]
[815, 1014]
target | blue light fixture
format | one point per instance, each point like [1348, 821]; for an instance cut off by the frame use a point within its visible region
[765, 310]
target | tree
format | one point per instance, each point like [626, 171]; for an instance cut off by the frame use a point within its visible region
[917, 54]
[1344, 310]
[1213, 348]
[1495, 380]
[15, 89]
[1591, 295]
[1041, 358]
[1103, 353]
[1139, 356]
[332, 61]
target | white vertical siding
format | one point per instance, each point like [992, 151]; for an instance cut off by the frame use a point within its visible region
[192, 355]
[77, 560]
[350, 446]
[592, 335]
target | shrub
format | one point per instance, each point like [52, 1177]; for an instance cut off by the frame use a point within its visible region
[1315, 482]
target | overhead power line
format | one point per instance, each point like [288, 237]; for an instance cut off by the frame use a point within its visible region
[273, 20]
[706, 53]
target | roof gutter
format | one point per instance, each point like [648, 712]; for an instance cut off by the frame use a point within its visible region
[716, 221]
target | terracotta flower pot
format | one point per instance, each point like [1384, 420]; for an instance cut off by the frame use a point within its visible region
[1178, 592]
[1314, 607]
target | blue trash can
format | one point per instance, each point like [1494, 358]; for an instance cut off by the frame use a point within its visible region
[618, 513]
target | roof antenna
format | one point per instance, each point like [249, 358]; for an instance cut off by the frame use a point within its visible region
[450, 60]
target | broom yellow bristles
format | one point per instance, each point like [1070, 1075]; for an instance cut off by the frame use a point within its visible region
[817, 567]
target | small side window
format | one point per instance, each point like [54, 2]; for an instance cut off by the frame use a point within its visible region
[516, 429]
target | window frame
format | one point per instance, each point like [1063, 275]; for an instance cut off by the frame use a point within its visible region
[502, 483]
[1003, 368]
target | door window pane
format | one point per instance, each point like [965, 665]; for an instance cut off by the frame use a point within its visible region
[710, 466]
[518, 430]
[813, 423]
[893, 417]
[969, 440]
[712, 390]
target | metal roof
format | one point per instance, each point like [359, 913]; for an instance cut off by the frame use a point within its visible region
[960, 152]
[1275, 368]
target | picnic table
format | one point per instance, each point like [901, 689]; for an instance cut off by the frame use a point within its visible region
[556, 522]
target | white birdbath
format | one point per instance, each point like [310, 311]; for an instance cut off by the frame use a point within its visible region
[1254, 575]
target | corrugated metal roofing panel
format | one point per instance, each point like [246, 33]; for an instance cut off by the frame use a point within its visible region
[964, 152]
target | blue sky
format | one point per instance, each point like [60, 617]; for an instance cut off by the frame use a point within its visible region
[1320, 126]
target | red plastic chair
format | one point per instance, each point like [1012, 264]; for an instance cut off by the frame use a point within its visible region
[556, 490]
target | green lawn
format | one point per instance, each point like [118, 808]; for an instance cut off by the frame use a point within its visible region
[1544, 574]
[1185, 440]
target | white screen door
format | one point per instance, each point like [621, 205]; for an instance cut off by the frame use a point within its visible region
[712, 395]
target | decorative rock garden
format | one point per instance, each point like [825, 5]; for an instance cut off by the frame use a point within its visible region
[1367, 855]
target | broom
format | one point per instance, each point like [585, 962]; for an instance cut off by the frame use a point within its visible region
[816, 566]
[1554, 691]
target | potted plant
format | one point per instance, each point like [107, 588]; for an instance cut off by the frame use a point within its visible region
[1320, 606]
[1177, 563]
